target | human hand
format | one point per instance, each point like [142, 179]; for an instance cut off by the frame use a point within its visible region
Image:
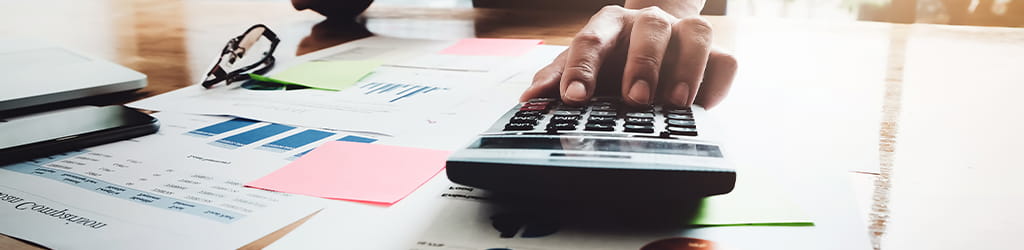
[647, 55]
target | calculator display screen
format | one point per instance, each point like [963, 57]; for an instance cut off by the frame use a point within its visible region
[599, 145]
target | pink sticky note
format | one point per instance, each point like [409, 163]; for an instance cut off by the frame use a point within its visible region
[491, 47]
[356, 171]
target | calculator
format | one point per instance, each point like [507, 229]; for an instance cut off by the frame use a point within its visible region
[603, 150]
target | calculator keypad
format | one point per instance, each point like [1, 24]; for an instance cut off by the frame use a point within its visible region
[602, 115]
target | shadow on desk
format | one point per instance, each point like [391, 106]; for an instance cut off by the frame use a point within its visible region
[501, 221]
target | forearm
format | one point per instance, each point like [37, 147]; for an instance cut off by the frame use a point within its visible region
[678, 8]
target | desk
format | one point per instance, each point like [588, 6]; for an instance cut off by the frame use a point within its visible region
[933, 109]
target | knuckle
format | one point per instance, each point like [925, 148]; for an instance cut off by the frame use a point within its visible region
[656, 19]
[588, 39]
[696, 30]
[645, 61]
[652, 9]
[585, 70]
[697, 24]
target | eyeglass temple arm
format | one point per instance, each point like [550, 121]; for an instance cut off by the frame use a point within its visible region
[251, 37]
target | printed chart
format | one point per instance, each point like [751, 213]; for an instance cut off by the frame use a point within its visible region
[271, 137]
[188, 178]
[398, 91]
[183, 182]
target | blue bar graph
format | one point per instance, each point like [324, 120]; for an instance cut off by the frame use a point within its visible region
[398, 90]
[222, 127]
[348, 138]
[295, 141]
[254, 135]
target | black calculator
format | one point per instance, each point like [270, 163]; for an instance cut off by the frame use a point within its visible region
[603, 150]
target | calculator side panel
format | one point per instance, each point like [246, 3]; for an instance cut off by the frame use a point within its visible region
[590, 183]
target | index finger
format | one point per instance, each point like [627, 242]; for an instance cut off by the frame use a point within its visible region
[588, 51]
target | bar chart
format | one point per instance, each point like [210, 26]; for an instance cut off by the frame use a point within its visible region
[243, 134]
[296, 141]
[254, 135]
[349, 138]
[220, 128]
[399, 91]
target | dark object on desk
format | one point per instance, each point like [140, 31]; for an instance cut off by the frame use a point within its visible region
[43, 134]
[603, 151]
[252, 52]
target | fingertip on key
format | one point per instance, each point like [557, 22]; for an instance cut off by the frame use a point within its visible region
[681, 95]
[575, 92]
[640, 93]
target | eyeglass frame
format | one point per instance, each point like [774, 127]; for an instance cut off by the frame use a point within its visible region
[232, 48]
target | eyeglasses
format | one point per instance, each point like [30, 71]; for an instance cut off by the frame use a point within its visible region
[251, 52]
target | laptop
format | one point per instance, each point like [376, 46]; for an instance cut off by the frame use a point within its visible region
[36, 73]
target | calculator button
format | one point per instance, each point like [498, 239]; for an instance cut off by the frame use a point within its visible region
[543, 99]
[642, 109]
[640, 121]
[525, 119]
[600, 127]
[638, 128]
[604, 99]
[534, 108]
[602, 108]
[571, 108]
[603, 113]
[565, 118]
[601, 119]
[518, 126]
[562, 125]
[602, 103]
[679, 116]
[680, 111]
[528, 113]
[640, 115]
[536, 103]
[567, 112]
[689, 131]
[681, 123]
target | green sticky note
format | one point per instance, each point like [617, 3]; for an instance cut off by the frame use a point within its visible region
[326, 75]
[757, 199]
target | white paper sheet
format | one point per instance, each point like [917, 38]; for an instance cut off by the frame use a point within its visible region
[440, 216]
[178, 189]
[406, 96]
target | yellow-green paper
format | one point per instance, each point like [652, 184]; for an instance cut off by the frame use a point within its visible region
[757, 200]
[326, 75]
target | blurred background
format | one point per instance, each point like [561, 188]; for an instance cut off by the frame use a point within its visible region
[957, 12]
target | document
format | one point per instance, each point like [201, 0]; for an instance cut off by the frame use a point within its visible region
[178, 189]
[491, 47]
[416, 91]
